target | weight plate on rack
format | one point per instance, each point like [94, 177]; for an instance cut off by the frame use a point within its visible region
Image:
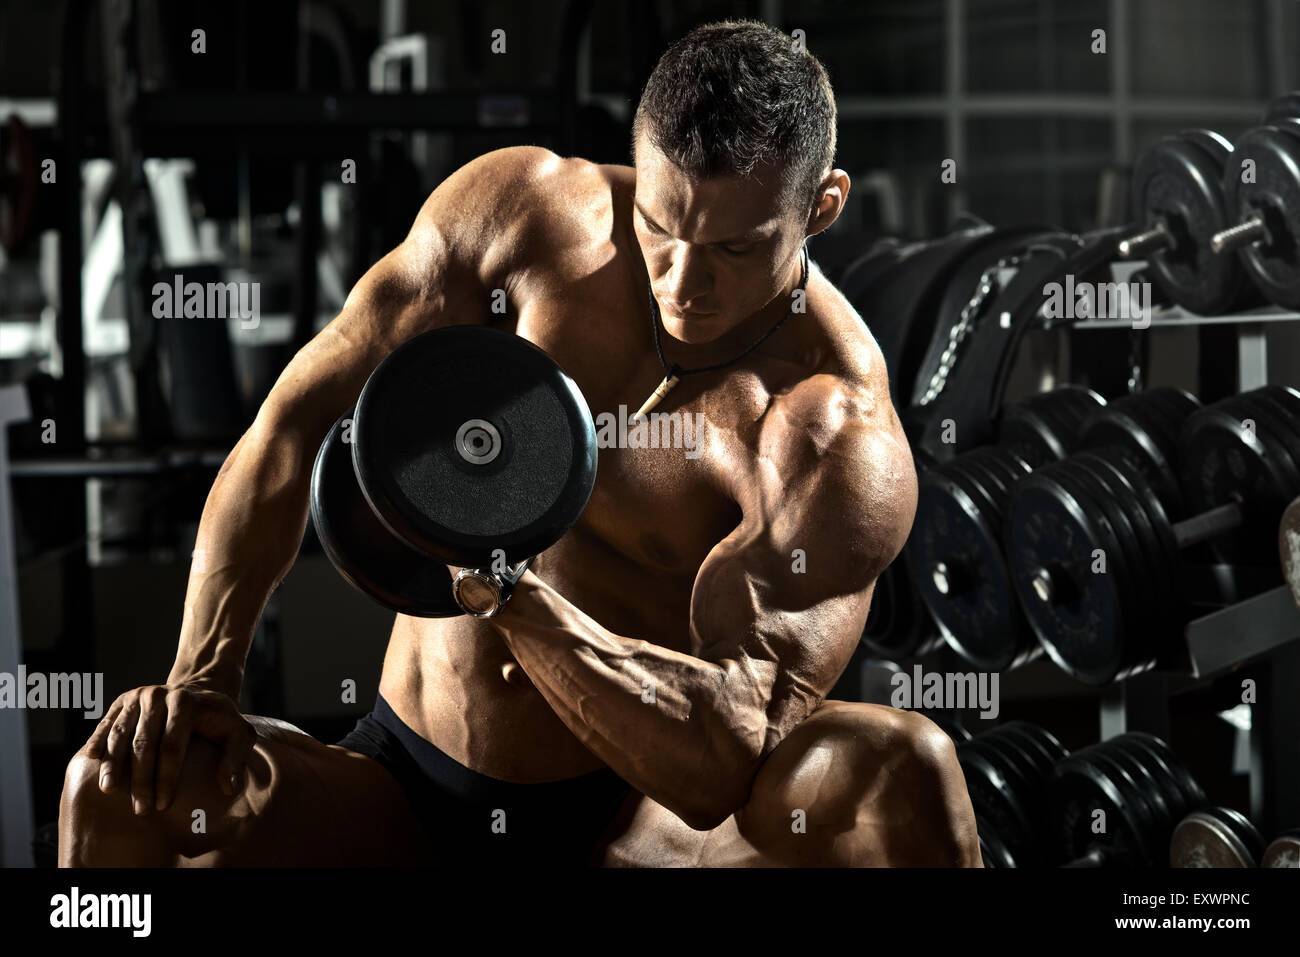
[1194, 797]
[994, 800]
[1273, 194]
[1177, 182]
[1075, 613]
[955, 558]
[1224, 461]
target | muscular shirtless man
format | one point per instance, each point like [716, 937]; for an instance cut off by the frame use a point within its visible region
[654, 691]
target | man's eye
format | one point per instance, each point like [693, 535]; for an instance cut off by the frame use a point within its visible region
[737, 250]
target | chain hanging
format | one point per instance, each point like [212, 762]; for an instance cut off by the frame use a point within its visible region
[966, 322]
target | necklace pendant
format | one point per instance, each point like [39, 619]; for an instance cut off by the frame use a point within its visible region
[669, 383]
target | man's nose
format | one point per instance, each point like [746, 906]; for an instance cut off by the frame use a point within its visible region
[688, 276]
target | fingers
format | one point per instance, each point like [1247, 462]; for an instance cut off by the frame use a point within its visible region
[144, 747]
[234, 755]
[99, 737]
[112, 769]
[175, 741]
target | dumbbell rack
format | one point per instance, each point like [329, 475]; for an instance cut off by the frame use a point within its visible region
[1265, 626]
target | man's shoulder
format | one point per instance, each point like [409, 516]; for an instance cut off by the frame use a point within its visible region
[549, 182]
[506, 209]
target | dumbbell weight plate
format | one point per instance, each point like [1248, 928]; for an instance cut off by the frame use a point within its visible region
[1121, 478]
[1141, 424]
[1179, 181]
[1044, 757]
[956, 527]
[1194, 797]
[1260, 411]
[1288, 546]
[1137, 577]
[1161, 775]
[1017, 772]
[1085, 783]
[1150, 827]
[365, 553]
[1280, 421]
[990, 474]
[1242, 827]
[1215, 837]
[1047, 527]
[993, 850]
[1162, 812]
[471, 444]
[1158, 538]
[1274, 267]
[1046, 427]
[1284, 851]
[1034, 781]
[1224, 461]
[1045, 738]
[994, 800]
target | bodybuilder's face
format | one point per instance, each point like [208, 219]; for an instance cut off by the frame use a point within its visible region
[717, 250]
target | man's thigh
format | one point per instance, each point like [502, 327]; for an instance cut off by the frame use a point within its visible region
[304, 803]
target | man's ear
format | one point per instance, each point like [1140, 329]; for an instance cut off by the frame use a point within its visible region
[829, 202]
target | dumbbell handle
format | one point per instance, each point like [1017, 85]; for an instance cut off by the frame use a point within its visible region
[1158, 237]
[1243, 234]
[1208, 524]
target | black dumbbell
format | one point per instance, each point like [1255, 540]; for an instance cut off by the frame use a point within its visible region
[1007, 771]
[1047, 427]
[954, 554]
[1147, 425]
[1116, 803]
[1288, 547]
[955, 557]
[468, 447]
[1095, 556]
[1179, 199]
[1261, 185]
[1284, 851]
[1215, 837]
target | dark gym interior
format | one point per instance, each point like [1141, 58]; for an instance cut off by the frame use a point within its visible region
[296, 148]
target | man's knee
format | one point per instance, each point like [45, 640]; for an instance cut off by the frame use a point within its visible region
[862, 784]
[102, 827]
[929, 788]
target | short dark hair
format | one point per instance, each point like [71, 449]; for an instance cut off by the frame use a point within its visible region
[731, 95]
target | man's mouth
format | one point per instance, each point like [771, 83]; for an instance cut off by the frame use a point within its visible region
[677, 312]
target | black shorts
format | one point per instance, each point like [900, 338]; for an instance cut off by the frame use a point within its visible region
[471, 818]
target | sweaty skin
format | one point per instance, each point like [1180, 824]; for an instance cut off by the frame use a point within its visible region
[734, 585]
